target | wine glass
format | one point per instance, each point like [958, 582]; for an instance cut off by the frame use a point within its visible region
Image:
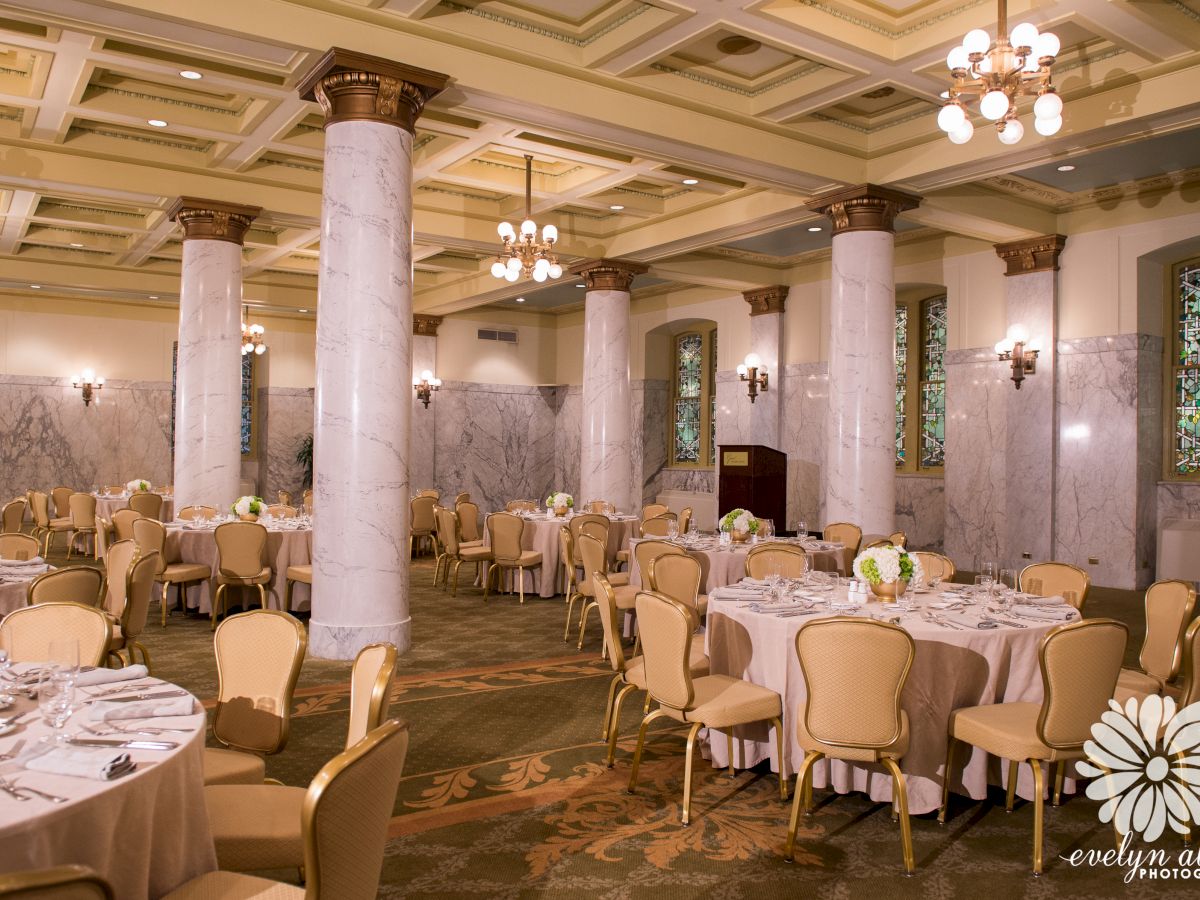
[6, 698]
[766, 529]
[672, 529]
[56, 698]
[801, 529]
[64, 655]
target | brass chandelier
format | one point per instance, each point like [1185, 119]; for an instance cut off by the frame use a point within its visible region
[523, 255]
[1018, 63]
[253, 337]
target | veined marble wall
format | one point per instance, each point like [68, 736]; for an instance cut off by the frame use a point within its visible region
[49, 438]
[921, 511]
[651, 410]
[802, 429]
[285, 416]
[568, 425]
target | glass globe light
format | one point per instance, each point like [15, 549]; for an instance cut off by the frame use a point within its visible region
[1047, 127]
[753, 361]
[556, 271]
[957, 59]
[512, 274]
[1047, 44]
[1048, 106]
[99, 382]
[426, 375]
[741, 369]
[950, 117]
[514, 264]
[1005, 345]
[977, 41]
[1031, 63]
[260, 349]
[963, 133]
[498, 269]
[550, 234]
[89, 376]
[1018, 333]
[436, 382]
[505, 230]
[1024, 35]
[246, 348]
[542, 265]
[528, 227]
[1012, 133]
[994, 104]
[985, 64]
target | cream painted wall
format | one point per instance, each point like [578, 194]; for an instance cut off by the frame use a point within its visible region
[461, 356]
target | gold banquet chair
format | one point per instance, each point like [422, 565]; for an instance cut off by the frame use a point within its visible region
[73, 584]
[594, 553]
[456, 554]
[147, 503]
[685, 519]
[295, 575]
[13, 516]
[283, 498]
[18, 546]
[259, 654]
[240, 549]
[898, 539]
[464, 497]
[344, 823]
[935, 565]
[257, 826]
[119, 558]
[659, 526]
[713, 701]
[649, 511]
[849, 536]
[596, 525]
[71, 882]
[104, 536]
[468, 523]
[566, 558]
[788, 560]
[151, 535]
[44, 527]
[62, 501]
[191, 513]
[122, 522]
[26, 633]
[281, 511]
[854, 671]
[1169, 609]
[139, 586]
[678, 576]
[1056, 579]
[433, 494]
[421, 520]
[83, 520]
[1080, 663]
[506, 532]
[1189, 682]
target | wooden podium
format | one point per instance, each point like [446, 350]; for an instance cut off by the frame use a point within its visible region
[755, 478]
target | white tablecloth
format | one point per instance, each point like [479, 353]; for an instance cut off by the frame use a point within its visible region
[541, 534]
[146, 832]
[13, 594]
[727, 565]
[952, 669]
[284, 548]
[106, 506]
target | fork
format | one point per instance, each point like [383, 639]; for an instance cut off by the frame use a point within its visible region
[11, 752]
[12, 787]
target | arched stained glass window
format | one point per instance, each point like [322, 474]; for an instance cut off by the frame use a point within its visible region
[1184, 371]
[693, 393]
[920, 384]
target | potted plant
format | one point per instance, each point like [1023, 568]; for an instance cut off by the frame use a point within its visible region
[888, 570]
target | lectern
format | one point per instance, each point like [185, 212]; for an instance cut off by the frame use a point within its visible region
[755, 478]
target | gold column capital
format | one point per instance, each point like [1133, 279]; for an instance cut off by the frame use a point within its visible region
[426, 325]
[608, 274]
[766, 300]
[213, 220]
[1038, 254]
[356, 87]
[864, 207]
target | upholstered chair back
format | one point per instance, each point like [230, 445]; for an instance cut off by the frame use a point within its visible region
[1056, 579]
[240, 548]
[74, 584]
[1080, 665]
[645, 551]
[566, 553]
[191, 513]
[606, 604]
[935, 565]
[659, 526]
[117, 560]
[83, 511]
[448, 531]
[468, 520]
[593, 555]
[39, 505]
[62, 501]
[13, 516]
[26, 633]
[1190, 682]
[1169, 608]
[422, 513]
[281, 511]
[150, 535]
[666, 628]
[787, 560]
[651, 510]
[370, 690]
[685, 519]
[506, 532]
[147, 503]
[676, 575]
[122, 521]
[18, 546]
[283, 498]
[849, 536]
[138, 591]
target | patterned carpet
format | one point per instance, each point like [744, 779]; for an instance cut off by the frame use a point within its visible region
[505, 793]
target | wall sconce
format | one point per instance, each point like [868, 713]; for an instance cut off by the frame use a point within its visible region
[425, 386]
[750, 371]
[1023, 353]
[88, 382]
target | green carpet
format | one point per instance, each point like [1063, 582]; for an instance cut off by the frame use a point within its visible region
[505, 793]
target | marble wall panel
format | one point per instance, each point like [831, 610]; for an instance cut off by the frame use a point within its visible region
[285, 417]
[921, 511]
[651, 403]
[805, 389]
[423, 424]
[735, 422]
[1150, 448]
[568, 406]
[702, 481]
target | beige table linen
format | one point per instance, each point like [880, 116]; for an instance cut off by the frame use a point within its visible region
[952, 669]
[146, 833]
[106, 506]
[14, 594]
[284, 548]
[541, 534]
[727, 565]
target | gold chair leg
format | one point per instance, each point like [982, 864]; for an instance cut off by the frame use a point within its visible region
[637, 753]
[1038, 804]
[614, 723]
[1060, 771]
[901, 793]
[454, 587]
[143, 652]
[802, 778]
[70, 544]
[216, 604]
[646, 705]
[951, 746]
[778, 726]
[729, 749]
[570, 609]
[262, 595]
[608, 706]
[1010, 795]
[487, 580]
[165, 588]
[521, 583]
[687, 770]
[588, 607]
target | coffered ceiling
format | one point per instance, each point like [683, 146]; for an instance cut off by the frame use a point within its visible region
[761, 103]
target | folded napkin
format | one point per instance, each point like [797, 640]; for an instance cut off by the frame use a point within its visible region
[105, 676]
[958, 620]
[1035, 600]
[740, 593]
[758, 582]
[1055, 614]
[108, 710]
[100, 765]
[777, 607]
[946, 604]
[21, 563]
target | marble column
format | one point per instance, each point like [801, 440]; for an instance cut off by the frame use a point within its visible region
[363, 397]
[421, 441]
[605, 459]
[208, 374]
[1031, 289]
[766, 339]
[860, 445]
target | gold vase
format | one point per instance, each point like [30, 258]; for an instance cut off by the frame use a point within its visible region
[739, 537]
[890, 591]
[560, 510]
[249, 517]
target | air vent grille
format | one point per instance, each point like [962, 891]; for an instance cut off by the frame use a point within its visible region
[497, 334]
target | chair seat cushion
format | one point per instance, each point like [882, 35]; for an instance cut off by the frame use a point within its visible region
[720, 701]
[625, 595]
[256, 826]
[63, 524]
[462, 545]
[527, 558]
[303, 574]
[117, 641]
[623, 556]
[895, 750]
[474, 554]
[263, 577]
[635, 669]
[223, 766]
[1007, 730]
[1135, 683]
[179, 572]
[618, 579]
[233, 886]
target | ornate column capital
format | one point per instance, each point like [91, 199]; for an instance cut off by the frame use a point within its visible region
[213, 220]
[1038, 254]
[355, 87]
[608, 274]
[766, 300]
[864, 207]
[426, 325]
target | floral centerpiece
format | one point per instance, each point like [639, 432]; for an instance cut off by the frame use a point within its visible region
[888, 570]
[740, 524]
[560, 502]
[248, 509]
[138, 485]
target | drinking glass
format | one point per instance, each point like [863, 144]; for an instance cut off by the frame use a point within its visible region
[56, 698]
[801, 529]
[672, 529]
[988, 570]
[64, 655]
[6, 698]
[766, 529]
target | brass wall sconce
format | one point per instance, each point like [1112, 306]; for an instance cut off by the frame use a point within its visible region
[88, 383]
[752, 371]
[425, 386]
[1021, 351]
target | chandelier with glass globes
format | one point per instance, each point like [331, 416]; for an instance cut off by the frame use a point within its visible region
[523, 255]
[253, 337]
[1017, 64]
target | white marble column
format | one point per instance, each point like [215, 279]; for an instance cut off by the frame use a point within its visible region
[1031, 288]
[860, 449]
[766, 339]
[363, 403]
[208, 374]
[422, 436]
[606, 464]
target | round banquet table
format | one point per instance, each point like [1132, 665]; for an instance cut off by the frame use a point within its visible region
[952, 669]
[146, 832]
[722, 565]
[107, 505]
[285, 547]
[541, 534]
[14, 588]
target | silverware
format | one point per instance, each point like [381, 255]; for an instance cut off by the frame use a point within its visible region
[11, 752]
[13, 786]
[132, 745]
[1007, 622]
[11, 792]
[133, 697]
[16, 720]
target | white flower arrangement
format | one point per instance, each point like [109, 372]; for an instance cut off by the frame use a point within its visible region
[248, 506]
[739, 520]
[138, 484]
[558, 499]
[883, 565]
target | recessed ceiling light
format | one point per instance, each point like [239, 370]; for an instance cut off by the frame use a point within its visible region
[190, 75]
[520, 299]
[616, 207]
[157, 123]
[691, 181]
[302, 310]
[154, 296]
[814, 227]
[74, 244]
[36, 287]
[581, 285]
[1066, 168]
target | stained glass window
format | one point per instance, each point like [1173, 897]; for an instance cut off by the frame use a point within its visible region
[920, 384]
[249, 406]
[1186, 366]
[693, 427]
[933, 383]
[901, 381]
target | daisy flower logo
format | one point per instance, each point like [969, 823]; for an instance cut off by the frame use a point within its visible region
[1146, 766]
